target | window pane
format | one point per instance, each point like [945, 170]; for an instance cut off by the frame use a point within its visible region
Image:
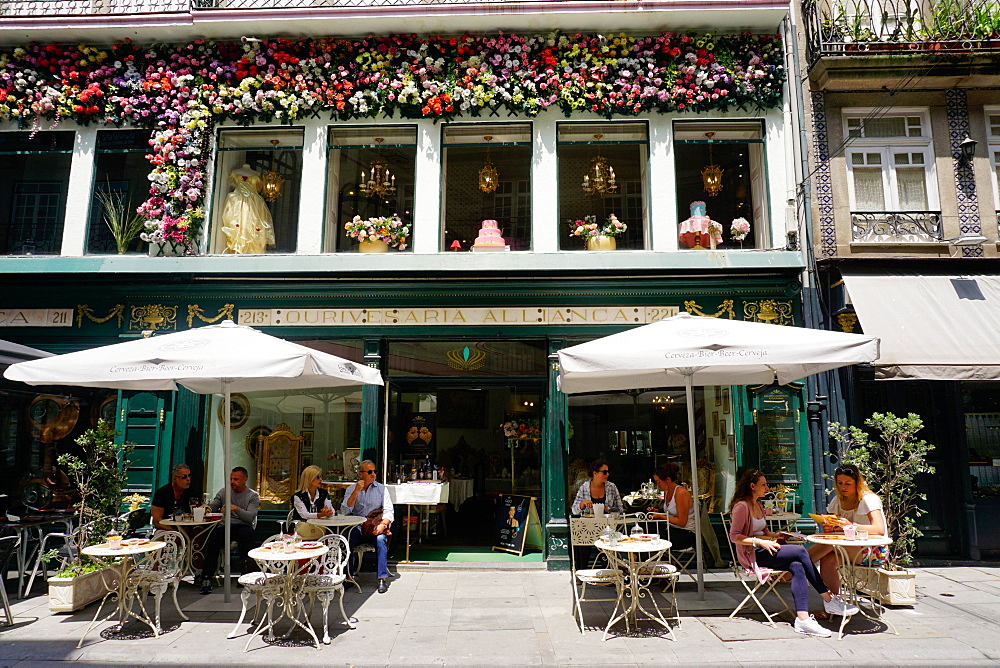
[250, 218]
[994, 125]
[120, 185]
[868, 192]
[901, 158]
[487, 179]
[34, 177]
[355, 154]
[890, 126]
[912, 189]
[624, 148]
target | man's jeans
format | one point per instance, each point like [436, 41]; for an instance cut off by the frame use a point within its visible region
[381, 543]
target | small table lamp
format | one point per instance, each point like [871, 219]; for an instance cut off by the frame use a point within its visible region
[456, 245]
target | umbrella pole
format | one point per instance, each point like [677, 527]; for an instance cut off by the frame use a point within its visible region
[689, 395]
[228, 494]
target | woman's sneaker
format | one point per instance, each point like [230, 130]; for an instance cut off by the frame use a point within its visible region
[836, 606]
[810, 627]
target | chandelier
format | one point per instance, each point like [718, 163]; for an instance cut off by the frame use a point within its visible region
[271, 181]
[711, 174]
[488, 175]
[381, 182]
[600, 180]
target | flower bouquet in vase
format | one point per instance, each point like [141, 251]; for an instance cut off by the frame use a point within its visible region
[597, 236]
[739, 229]
[379, 233]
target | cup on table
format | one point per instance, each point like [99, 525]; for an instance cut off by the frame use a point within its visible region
[115, 543]
[862, 534]
[199, 514]
[289, 546]
[598, 510]
[850, 531]
[178, 517]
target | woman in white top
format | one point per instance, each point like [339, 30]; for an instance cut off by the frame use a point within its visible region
[311, 501]
[678, 506]
[853, 503]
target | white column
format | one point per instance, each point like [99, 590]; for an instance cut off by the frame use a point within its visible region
[662, 185]
[78, 193]
[312, 190]
[544, 186]
[427, 190]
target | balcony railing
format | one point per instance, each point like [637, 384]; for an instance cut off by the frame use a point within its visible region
[896, 226]
[867, 27]
[39, 8]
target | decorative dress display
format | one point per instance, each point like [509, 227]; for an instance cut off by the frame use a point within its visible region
[490, 238]
[246, 220]
[699, 230]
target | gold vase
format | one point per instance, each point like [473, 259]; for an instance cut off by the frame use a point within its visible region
[373, 246]
[601, 243]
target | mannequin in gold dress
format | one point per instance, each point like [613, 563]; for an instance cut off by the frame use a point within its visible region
[246, 220]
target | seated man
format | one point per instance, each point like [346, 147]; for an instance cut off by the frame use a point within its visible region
[362, 499]
[175, 495]
[244, 518]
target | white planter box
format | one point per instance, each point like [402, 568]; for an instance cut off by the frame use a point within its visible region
[890, 587]
[69, 594]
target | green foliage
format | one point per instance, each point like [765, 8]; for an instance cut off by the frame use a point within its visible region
[100, 475]
[890, 458]
[77, 570]
[125, 224]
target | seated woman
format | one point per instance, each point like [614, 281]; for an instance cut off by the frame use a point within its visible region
[757, 548]
[678, 506]
[854, 503]
[596, 490]
[311, 500]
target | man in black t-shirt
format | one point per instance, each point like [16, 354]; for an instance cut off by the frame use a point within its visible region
[175, 495]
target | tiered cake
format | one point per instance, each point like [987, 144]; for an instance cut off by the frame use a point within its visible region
[489, 238]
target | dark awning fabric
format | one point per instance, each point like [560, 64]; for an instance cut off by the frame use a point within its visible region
[932, 326]
[12, 353]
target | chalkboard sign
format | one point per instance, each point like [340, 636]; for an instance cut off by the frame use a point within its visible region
[517, 517]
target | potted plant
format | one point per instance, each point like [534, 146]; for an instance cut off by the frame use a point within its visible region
[379, 233]
[124, 225]
[890, 458]
[99, 472]
[597, 236]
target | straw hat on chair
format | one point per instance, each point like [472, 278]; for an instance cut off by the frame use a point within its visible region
[309, 531]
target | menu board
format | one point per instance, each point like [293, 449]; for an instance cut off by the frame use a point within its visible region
[516, 517]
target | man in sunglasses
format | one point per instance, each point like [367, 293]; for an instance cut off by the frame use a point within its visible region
[366, 498]
[175, 495]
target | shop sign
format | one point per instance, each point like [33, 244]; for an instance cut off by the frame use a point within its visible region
[510, 315]
[40, 317]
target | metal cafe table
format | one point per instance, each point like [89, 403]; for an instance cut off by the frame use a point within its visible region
[286, 586]
[193, 531]
[638, 558]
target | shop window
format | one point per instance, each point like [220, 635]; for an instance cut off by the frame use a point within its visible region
[737, 148]
[371, 176]
[487, 176]
[34, 178]
[257, 182]
[602, 171]
[777, 412]
[120, 186]
[890, 172]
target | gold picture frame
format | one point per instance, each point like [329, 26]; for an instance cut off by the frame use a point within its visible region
[715, 423]
[725, 401]
[239, 411]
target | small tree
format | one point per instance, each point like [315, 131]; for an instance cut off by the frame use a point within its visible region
[100, 475]
[890, 461]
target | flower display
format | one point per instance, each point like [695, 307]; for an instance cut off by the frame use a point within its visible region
[389, 229]
[180, 91]
[588, 228]
[517, 429]
[739, 229]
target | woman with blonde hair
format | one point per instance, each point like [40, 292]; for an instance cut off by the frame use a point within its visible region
[757, 548]
[853, 503]
[311, 500]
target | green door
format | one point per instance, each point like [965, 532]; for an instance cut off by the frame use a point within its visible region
[144, 419]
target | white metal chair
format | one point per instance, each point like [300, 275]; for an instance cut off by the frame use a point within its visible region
[665, 572]
[8, 545]
[326, 579]
[760, 588]
[583, 531]
[253, 585]
[162, 569]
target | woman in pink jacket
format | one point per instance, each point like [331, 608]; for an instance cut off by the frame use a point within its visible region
[757, 548]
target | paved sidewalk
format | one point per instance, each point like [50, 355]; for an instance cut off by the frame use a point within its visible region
[523, 618]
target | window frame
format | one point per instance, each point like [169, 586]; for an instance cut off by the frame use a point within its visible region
[993, 149]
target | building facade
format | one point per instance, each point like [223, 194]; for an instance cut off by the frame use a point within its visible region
[482, 152]
[904, 129]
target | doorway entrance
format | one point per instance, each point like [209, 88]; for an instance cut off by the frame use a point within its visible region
[484, 438]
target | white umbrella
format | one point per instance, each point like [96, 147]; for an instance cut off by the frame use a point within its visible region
[217, 359]
[692, 350]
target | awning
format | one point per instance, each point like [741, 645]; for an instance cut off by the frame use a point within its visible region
[932, 326]
[12, 353]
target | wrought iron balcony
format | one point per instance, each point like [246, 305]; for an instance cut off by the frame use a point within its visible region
[867, 27]
[896, 226]
[40, 8]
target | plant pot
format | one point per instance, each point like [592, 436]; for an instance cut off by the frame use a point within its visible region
[166, 249]
[889, 587]
[373, 246]
[601, 243]
[74, 593]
